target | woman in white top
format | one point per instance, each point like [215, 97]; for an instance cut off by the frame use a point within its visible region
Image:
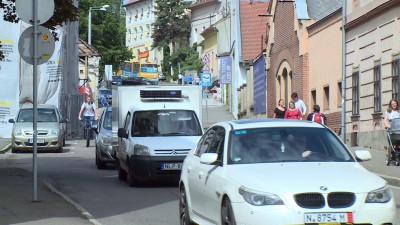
[392, 112]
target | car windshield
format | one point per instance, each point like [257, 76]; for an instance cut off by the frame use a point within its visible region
[285, 144]
[44, 115]
[107, 120]
[166, 123]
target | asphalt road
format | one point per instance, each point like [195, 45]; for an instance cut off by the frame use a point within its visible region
[109, 200]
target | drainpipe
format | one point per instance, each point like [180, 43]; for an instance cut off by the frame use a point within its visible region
[343, 125]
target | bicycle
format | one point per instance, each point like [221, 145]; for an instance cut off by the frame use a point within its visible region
[88, 132]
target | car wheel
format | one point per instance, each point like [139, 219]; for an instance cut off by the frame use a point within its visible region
[121, 172]
[132, 182]
[63, 143]
[227, 217]
[387, 160]
[100, 164]
[60, 149]
[184, 216]
[13, 150]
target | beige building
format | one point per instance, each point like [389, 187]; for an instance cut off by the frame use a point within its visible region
[325, 67]
[372, 68]
[210, 50]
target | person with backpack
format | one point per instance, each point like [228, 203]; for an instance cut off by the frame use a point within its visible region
[316, 116]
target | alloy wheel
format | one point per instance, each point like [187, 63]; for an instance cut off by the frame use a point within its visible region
[184, 216]
[227, 217]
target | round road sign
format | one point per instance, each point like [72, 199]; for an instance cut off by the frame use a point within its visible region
[45, 41]
[45, 10]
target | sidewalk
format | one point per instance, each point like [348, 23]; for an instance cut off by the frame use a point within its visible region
[17, 207]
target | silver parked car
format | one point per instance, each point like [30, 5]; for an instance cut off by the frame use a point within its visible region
[103, 139]
[50, 128]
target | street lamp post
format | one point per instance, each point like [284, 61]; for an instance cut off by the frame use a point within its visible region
[102, 8]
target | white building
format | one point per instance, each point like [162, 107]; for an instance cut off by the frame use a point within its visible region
[139, 19]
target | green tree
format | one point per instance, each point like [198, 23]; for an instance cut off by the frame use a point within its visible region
[64, 11]
[108, 31]
[172, 25]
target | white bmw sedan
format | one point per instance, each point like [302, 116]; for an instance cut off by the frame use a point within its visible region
[279, 172]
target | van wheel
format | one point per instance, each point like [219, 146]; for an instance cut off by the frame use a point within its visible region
[121, 172]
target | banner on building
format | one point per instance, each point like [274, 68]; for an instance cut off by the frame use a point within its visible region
[225, 69]
[9, 75]
[49, 76]
[143, 55]
[260, 86]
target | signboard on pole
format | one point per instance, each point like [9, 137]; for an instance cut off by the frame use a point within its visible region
[206, 79]
[225, 69]
[25, 12]
[46, 45]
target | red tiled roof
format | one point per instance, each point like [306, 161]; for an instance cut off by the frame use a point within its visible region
[252, 27]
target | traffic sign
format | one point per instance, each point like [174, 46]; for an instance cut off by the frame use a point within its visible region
[45, 10]
[45, 43]
[206, 79]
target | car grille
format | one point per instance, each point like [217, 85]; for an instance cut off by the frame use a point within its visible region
[40, 132]
[310, 200]
[317, 200]
[341, 199]
[171, 151]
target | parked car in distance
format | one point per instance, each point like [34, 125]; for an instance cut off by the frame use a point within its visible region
[147, 81]
[50, 127]
[103, 139]
[133, 81]
[162, 77]
[283, 172]
[116, 80]
[105, 93]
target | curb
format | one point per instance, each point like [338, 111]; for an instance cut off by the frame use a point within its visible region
[5, 148]
[73, 203]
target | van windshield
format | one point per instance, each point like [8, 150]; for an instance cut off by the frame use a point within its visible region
[166, 123]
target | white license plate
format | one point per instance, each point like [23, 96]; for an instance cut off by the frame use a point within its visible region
[38, 141]
[171, 166]
[328, 218]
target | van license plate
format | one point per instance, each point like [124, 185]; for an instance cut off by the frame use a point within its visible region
[328, 218]
[171, 166]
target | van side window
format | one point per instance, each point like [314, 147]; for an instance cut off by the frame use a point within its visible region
[127, 120]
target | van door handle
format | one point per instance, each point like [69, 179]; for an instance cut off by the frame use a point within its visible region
[201, 174]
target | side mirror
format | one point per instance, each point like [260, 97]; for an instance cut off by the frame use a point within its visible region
[95, 128]
[11, 121]
[363, 155]
[208, 158]
[122, 133]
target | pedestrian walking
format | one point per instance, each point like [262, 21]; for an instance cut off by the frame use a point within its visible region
[280, 110]
[317, 116]
[180, 78]
[299, 104]
[293, 113]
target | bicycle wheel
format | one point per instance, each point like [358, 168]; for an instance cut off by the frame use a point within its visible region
[87, 137]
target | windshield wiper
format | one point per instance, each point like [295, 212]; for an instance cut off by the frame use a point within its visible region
[179, 133]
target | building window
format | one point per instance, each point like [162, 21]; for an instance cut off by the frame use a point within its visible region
[395, 79]
[326, 97]
[356, 93]
[377, 89]
[313, 97]
[339, 96]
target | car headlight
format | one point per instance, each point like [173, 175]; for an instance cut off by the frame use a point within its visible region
[18, 131]
[381, 195]
[258, 198]
[105, 140]
[55, 131]
[141, 150]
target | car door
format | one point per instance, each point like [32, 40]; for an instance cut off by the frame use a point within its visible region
[212, 177]
[124, 143]
[195, 191]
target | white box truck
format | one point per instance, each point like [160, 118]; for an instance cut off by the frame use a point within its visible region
[154, 127]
